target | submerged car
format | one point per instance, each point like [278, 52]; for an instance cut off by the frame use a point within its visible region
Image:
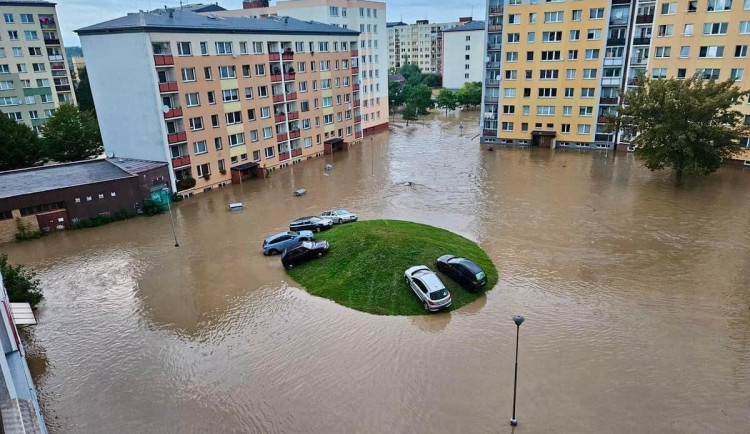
[302, 252]
[463, 271]
[428, 288]
[339, 216]
[276, 244]
[310, 223]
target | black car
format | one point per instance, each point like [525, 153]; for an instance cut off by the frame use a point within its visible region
[463, 271]
[304, 251]
[310, 223]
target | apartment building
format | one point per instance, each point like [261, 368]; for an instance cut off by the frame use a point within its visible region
[553, 69]
[463, 51]
[420, 44]
[221, 98]
[368, 17]
[34, 79]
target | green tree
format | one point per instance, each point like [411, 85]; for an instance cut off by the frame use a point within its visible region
[432, 80]
[446, 99]
[71, 135]
[395, 96]
[20, 146]
[21, 284]
[420, 96]
[686, 125]
[470, 95]
[410, 112]
[411, 73]
[83, 92]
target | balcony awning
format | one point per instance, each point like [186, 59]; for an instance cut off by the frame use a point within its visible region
[334, 141]
[245, 166]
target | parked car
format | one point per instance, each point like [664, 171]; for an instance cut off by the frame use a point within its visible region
[428, 288]
[463, 271]
[339, 216]
[310, 223]
[302, 252]
[276, 244]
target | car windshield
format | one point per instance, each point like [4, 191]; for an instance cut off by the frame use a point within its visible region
[307, 244]
[292, 233]
[480, 275]
[341, 212]
[314, 220]
[439, 294]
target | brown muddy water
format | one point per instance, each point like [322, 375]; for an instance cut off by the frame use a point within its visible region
[635, 293]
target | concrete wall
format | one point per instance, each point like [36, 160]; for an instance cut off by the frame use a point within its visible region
[9, 227]
[454, 57]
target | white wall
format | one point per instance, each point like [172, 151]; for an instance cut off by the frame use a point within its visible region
[454, 57]
[124, 85]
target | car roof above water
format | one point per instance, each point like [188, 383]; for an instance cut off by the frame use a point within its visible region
[430, 279]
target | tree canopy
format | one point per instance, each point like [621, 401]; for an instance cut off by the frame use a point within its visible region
[470, 95]
[432, 80]
[688, 125]
[20, 146]
[71, 135]
[83, 92]
[446, 99]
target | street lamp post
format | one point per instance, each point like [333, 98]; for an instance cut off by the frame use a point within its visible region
[174, 232]
[518, 319]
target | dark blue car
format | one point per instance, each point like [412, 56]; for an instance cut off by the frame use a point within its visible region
[276, 244]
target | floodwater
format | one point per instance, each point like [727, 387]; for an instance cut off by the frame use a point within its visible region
[635, 293]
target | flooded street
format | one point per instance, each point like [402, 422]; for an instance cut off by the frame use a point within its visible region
[635, 293]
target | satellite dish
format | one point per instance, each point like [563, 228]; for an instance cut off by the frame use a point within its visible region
[165, 109]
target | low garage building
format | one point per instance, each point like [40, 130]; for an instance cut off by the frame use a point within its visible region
[51, 197]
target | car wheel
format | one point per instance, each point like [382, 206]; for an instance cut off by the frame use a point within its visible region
[265, 253]
[406, 279]
[320, 254]
[290, 266]
[426, 307]
[273, 252]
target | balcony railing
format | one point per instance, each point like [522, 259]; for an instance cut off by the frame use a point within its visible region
[180, 161]
[52, 41]
[355, 53]
[287, 55]
[292, 115]
[355, 87]
[495, 28]
[173, 113]
[618, 21]
[294, 134]
[608, 100]
[638, 60]
[55, 58]
[280, 118]
[491, 99]
[283, 156]
[493, 64]
[644, 19]
[282, 137]
[355, 70]
[177, 137]
[615, 41]
[611, 81]
[289, 76]
[620, 2]
[170, 86]
[357, 119]
[163, 59]
[275, 77]
[59, 73]
[62, 87]
[602, 137]
[278, 98]
[274, 56]
[489, 132]
[496, 10]
[492, 83]
[495, 46]
[356, 103]
[641, 41]
[291, 96]
[613, 61]
[602, 119]
[358, 134]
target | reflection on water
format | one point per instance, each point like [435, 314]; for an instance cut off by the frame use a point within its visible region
[635, 293]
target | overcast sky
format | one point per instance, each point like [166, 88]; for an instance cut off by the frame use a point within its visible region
[75, 14]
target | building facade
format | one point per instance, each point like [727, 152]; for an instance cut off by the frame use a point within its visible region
[553, 70]
[420, 44]
[368, 17]
[34, 78]
[463, 49]
[214, 95]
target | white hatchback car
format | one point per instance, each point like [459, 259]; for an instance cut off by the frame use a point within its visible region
[339, 216]
[428, 288]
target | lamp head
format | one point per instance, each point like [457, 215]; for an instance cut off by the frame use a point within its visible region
[518, 319]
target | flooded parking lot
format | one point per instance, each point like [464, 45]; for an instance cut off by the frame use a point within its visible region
[635, 293]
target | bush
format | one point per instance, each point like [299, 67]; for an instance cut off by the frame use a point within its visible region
[152, 208]
[185, 184]
[26, 233]
[21, 284]
[101, 220]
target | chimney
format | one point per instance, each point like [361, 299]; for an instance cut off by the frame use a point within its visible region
[254, 4]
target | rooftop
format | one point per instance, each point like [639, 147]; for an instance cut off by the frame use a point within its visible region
[46, 178]
[468, 27]
[167, 20]
[395, 23]
[26, 3]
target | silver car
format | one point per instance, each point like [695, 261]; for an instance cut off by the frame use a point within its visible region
[428, 288]
[339, 216]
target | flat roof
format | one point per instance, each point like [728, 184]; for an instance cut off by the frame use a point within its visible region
[184, 21]
[468, 27]
[45, 178]
[26, 3]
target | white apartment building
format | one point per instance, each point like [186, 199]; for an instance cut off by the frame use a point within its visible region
[463, 51]
[420, 44]
[367, 17]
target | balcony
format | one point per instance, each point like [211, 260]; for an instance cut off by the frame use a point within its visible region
[289, 76]
[355, 88]
[48, 23]
[491, 99]
[602, 119]
[62, 87]
[177, 137]
[644, 19]
[493, 65]
[611, 81]
[641, 41]
[287, 55]
[356, 103]
[283, 137]
[283, 156]
[355, 53]
[494, 28]
[615, 42]
[178, 162]
[602, 137]
[274, 56]
[51, 41]
[495, 47]
[55, 58]
[59, 73]
[492, 83]
[355, 70]
[280, 118]
[489, 132]
[613, 61]
[608, 100]
[294, 134]
[163, 60]
[620, 2]
[291, 96]
[275, 78]
[496, 10]
[357, 119]
[292, 115]
[358, 134]
[278, 98]
[175, 112]
[170, 86]
[638, 61]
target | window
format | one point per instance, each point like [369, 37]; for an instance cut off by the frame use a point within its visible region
[8, 18]
[227, 72]
[547, 74]
[593, 34]
[584, 129]
[572, 54]
[211, 97]
[215, 121]
[565, 128]
[236, 139]
[587, 92]
[229, 95]
[669, 8]
[38, 67]
[577, 13]
[663, 52]
[334, 11]
[532, 18]
[514, 19]
[719, 5]
[30, 35]
[199, 147]
[233, 117]
[711, 52]
[223, 48]
[328, 119]
[511, 74]
[545, 110]
[547, 92]
[248, 93]
[709, 73]
[511, 56]
[196, 124]
[591, 54]
[737, 74]
[575, 35]
[269, 152]
[531, 37]
[265, 112]
[553, 17]
[514, 37]
[688, 30]
[589, 73]
[27, 18]
[525, 110]
[267, 133]
[509, 109]
[207, 73]
[509, 92]
[685, 51]
[17, 52]
[204, 48]
[681, 72]
[254, 135]
[243, 47]
[217, 143]
[257, 48]
[507, 126]
[12, 35]
[744, 27]
[188, 74]
[262, 91]
[551, 36]
[204, 170]
[746, 5]
[256, 156]
[739, 51]
[260, 69]
[585, 111]
[550, 55]
[596, 13]
[715, 28]
[22, 67]
[192, 99]
[183, 49]
[659, 73]
[569, 92]
[665, 30]
[35, 51]
[570, 74]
